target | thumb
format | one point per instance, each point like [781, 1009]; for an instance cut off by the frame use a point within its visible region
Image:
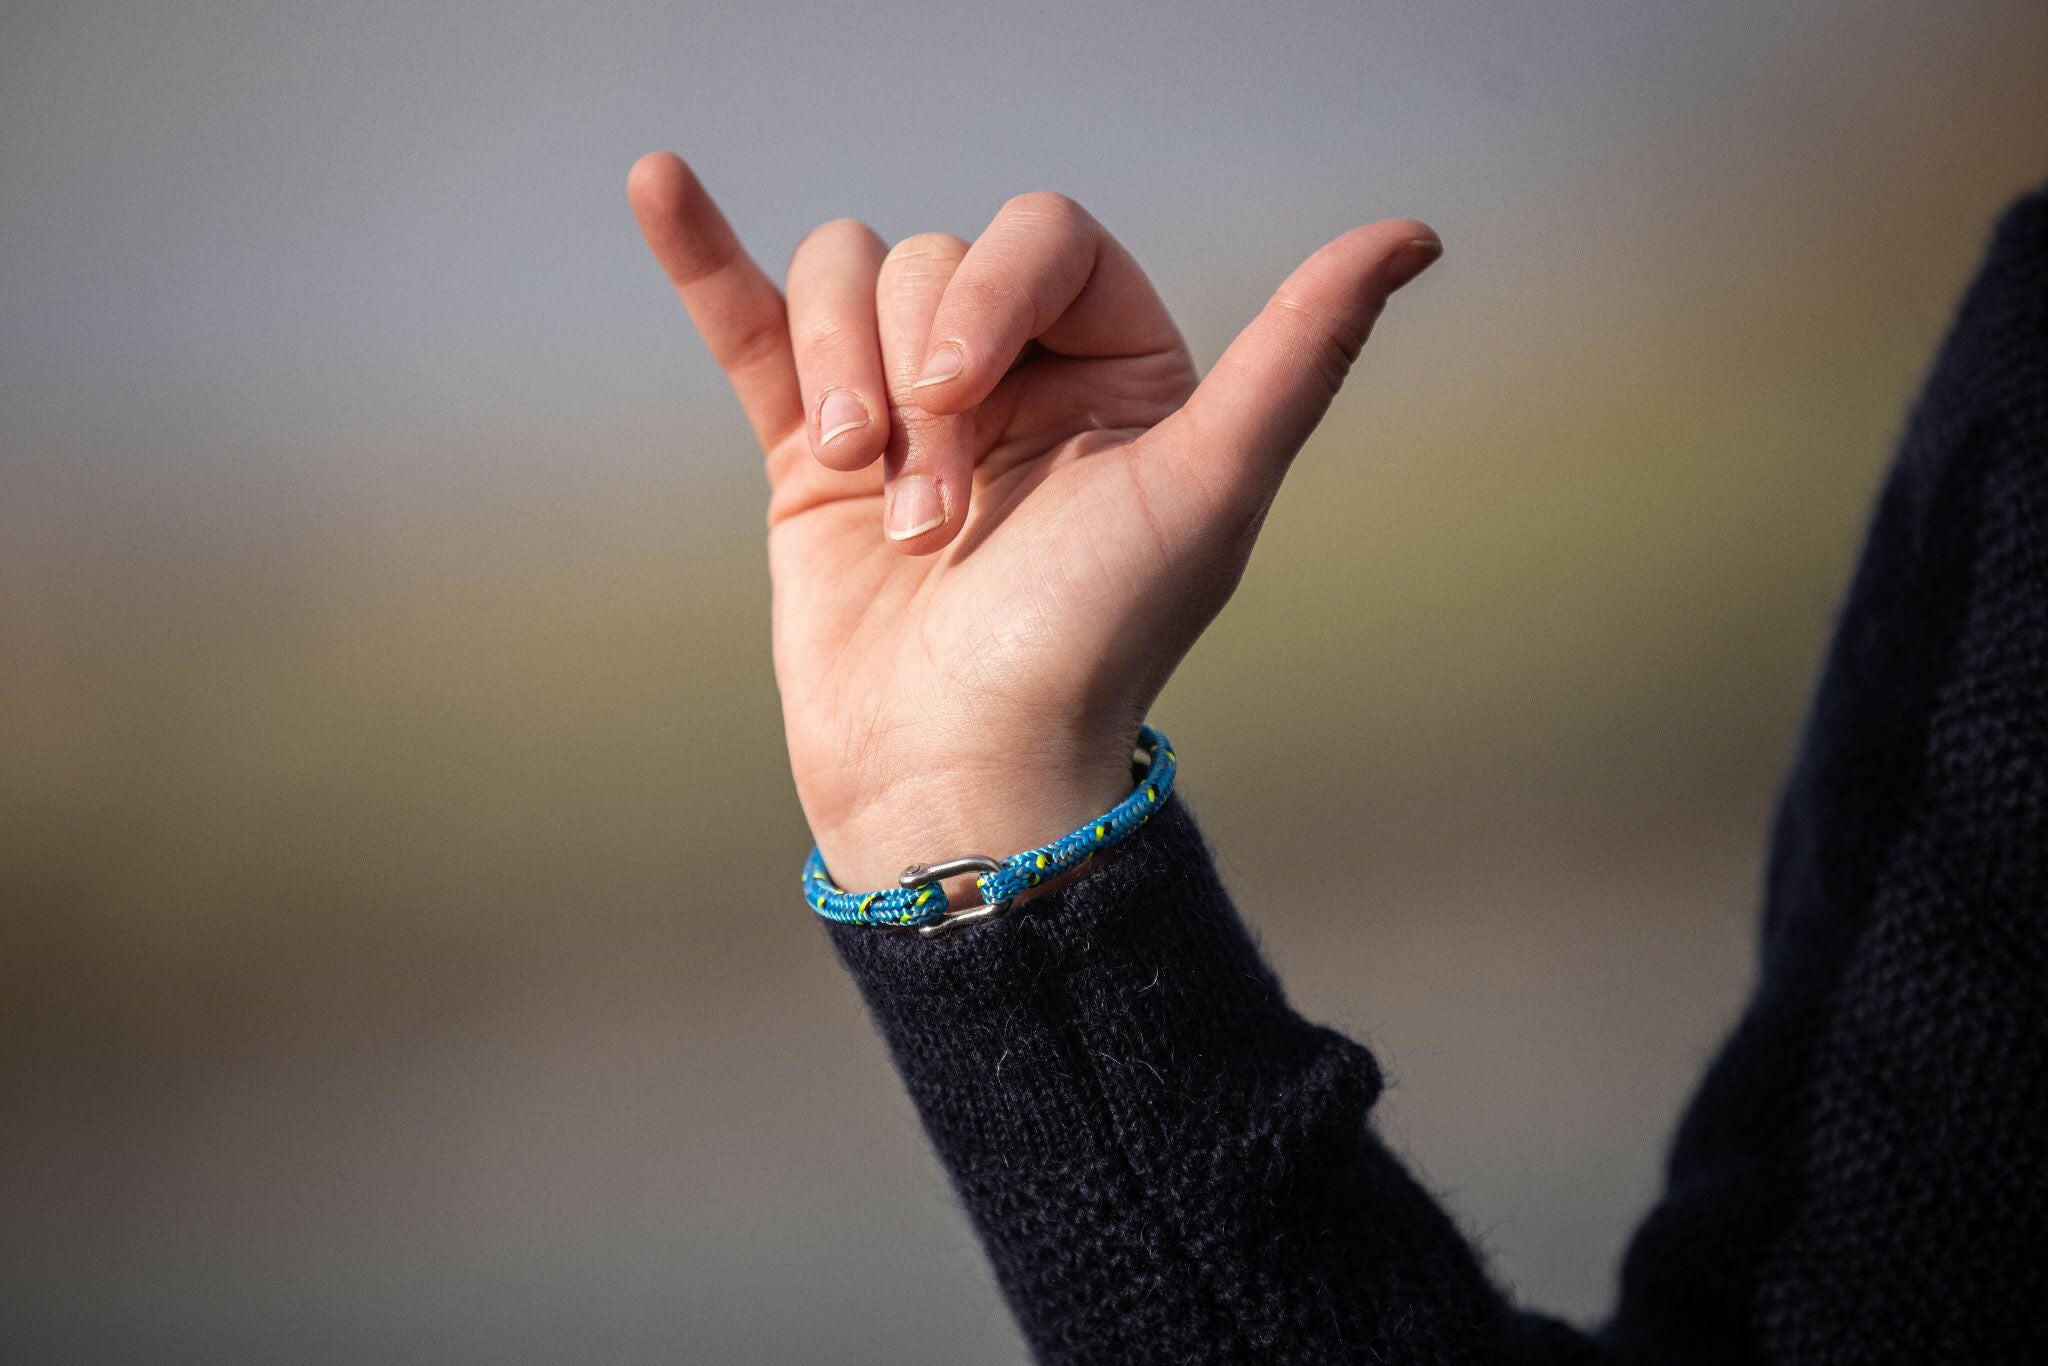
[1259, 403]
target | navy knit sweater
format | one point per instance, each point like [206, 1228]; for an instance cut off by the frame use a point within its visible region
[1167, 1164]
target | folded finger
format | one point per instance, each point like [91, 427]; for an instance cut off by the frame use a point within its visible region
[838, 349]
[1044, 271]
[928, 464]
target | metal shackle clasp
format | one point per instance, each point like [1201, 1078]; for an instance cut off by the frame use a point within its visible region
[919, 874]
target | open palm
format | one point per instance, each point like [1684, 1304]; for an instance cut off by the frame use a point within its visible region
[1002, 508]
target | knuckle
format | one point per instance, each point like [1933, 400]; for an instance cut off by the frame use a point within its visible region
[822, 335]
[1293, 305]
[1332, 339]
[925, 248]
[917, 427]
[1335, 352]
[991, 302]
[757, 342]
[828, 242]
[1049, 206]
[1333, 359]
[837, 232]
[698, 262]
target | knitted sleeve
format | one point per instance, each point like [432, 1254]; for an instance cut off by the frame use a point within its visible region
[1167, 1164]
[1164, 1161]
[1863, 1176]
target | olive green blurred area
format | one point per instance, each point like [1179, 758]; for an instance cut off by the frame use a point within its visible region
[400, 956]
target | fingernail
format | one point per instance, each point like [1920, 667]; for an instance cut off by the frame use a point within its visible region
[1411, 260]
[914, 507]
[941, 365]
[839, 412]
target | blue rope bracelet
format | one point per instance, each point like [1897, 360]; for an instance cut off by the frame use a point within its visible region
[920, 902]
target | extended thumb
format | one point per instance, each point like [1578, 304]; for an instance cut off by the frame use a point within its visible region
[1272, 386]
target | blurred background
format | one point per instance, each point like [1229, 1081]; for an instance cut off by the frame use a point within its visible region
[401, 957]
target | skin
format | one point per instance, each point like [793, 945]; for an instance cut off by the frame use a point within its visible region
[1003, 505]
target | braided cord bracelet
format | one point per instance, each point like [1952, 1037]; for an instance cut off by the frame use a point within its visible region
[920, 902]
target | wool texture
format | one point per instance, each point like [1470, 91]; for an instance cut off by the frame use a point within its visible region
[1166, 1163]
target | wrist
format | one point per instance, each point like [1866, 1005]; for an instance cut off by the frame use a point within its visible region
[993, 809]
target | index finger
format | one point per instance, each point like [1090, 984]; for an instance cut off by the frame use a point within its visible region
[736, 308]
[1043, 271]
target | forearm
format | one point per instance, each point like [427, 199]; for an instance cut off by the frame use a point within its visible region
[1165, 1162]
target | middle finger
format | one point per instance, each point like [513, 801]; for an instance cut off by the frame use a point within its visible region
[928, 466]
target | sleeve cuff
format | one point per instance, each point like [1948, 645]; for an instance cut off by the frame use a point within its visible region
[1127, 1009]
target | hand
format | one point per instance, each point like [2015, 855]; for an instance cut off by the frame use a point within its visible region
[969, 629]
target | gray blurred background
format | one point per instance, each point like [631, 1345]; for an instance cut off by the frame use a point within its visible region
[401, 957]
